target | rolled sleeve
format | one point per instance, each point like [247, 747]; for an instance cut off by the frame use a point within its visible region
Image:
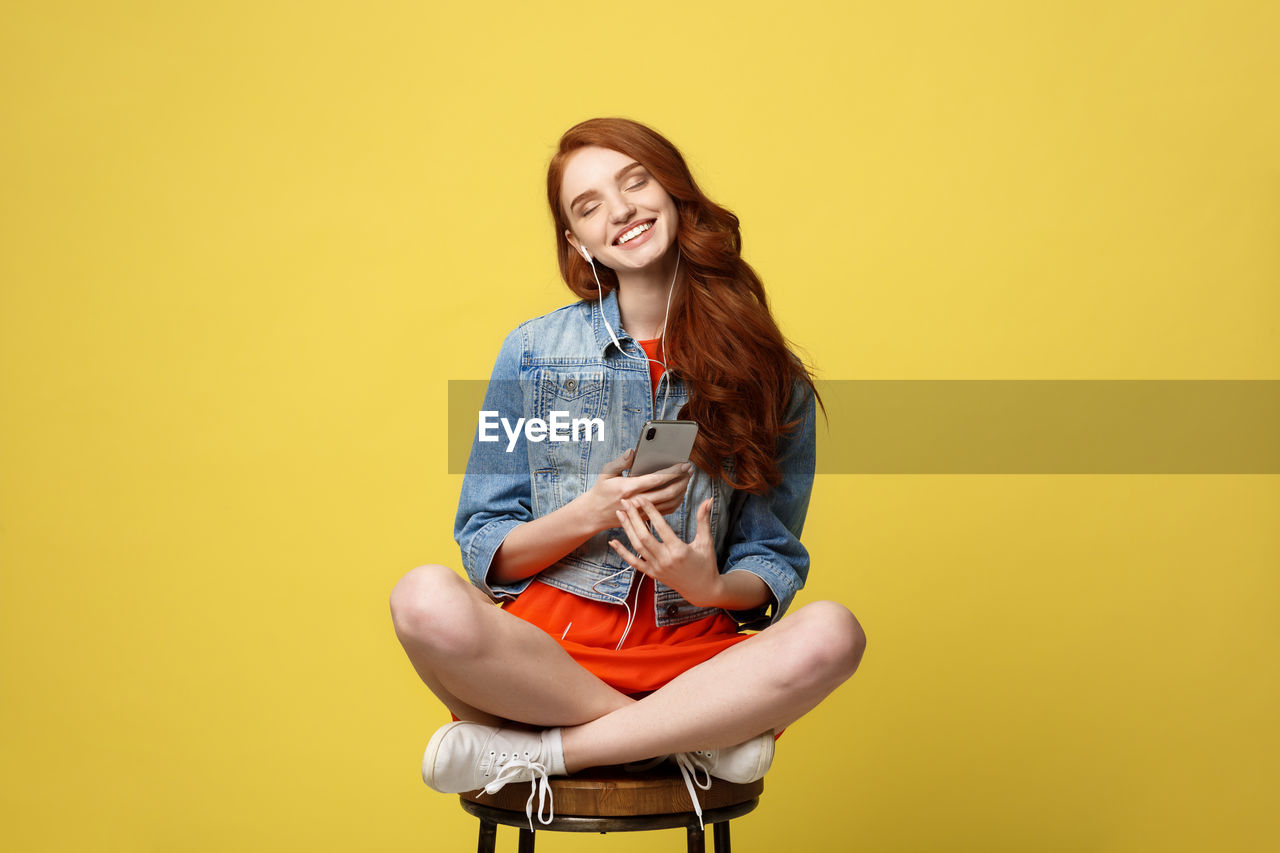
[765, 534]
[477, 556]
[496, 493]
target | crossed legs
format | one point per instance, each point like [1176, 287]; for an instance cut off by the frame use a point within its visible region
[489, 666]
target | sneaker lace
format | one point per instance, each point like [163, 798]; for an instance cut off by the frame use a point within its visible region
[690, 763]
[540, 787]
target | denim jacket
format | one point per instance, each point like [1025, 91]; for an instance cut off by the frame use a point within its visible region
[566, 362]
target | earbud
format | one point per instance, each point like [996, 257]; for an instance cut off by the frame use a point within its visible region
[585, 253]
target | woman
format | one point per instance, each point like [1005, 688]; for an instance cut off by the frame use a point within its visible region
[624, 598]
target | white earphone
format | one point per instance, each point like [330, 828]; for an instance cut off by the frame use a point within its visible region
[661, 335]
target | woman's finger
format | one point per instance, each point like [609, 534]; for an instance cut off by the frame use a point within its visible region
[670, 505]
[624, 521]
[649, 482]
[631, 559]
[675, 488]
[637, 534]
[660, 526]
[617, 466]
[702, 535]
[650, 540]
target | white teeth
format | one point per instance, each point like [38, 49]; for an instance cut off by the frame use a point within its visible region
[635, 232]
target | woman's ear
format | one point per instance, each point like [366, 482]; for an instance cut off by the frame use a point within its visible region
[577, 246]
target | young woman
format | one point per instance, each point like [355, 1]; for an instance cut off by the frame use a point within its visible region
[624, 598]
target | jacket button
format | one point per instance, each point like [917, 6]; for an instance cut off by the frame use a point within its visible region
[672, 609]
[571, 385]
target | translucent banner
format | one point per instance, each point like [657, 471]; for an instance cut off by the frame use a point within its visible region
[1011, 426]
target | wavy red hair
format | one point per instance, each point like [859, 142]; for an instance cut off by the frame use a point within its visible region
[718, 312]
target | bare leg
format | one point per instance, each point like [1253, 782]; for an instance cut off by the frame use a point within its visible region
[762, 684]
[487, 665]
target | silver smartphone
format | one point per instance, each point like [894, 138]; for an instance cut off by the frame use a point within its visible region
[663, 444]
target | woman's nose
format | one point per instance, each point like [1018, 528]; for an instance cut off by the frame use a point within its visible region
[621, 210]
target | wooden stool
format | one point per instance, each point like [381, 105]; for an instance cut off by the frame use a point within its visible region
[610, 799]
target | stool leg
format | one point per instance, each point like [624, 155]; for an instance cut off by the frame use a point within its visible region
[722, 842]
[697, 843]
[488, 837]
[526, 840]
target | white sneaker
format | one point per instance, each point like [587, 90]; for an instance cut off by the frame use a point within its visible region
[466, 756]
[746, 762]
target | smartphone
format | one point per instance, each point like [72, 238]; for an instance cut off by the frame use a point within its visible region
[663, 444]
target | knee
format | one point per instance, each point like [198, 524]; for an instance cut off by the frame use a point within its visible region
[835, 640]
[431, 607]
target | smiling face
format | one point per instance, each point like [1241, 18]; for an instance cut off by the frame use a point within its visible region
[618, 211]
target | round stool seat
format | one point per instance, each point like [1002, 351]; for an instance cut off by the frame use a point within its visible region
[615, 792]
[612, 799]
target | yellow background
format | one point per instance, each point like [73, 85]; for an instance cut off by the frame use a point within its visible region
[244, 245]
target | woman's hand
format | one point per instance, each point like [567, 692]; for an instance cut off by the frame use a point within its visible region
[687, 567]
[533, 545]
[663, 489]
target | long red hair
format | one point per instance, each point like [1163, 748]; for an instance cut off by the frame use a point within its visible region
[721, 338]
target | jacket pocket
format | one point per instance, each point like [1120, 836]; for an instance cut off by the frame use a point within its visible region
[546, 492]
[569, 401]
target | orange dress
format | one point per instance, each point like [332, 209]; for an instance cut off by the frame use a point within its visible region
[590, 631]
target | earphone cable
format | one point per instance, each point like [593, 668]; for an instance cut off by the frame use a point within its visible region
[662, 333]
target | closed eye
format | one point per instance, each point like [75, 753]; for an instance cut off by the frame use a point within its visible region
[637, 185]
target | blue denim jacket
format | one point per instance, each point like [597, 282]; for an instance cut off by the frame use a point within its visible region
[565, 361]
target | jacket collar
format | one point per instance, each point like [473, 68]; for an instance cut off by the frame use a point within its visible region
[610, 308]
[604, 342]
